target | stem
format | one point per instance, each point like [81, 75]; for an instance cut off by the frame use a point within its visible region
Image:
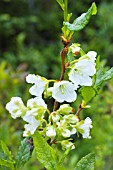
[62, 54]
[65, 10]
[78, 112]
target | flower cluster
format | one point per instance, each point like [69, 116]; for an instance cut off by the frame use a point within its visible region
[61, 124]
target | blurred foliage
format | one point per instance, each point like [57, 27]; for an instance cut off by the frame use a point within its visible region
[30, 43]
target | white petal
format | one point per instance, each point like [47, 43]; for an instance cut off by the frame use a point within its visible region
[14, 107]
[66, 133]
[36, 90]
[31, 78]
[30, 128]
[50, 132]
[64, 91]
[92, 55]
[35, 102]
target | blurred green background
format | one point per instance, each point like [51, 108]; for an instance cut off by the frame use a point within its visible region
[30, 33]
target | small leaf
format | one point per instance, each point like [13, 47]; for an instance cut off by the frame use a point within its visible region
[102, 76]
[86, 163]
[88, 93]
[7, 163]
[45, 154]
[83, 20]
[61, 3]
[23, 154]
[6, 150]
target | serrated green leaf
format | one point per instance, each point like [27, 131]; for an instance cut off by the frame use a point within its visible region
[7, 163]
[83, 20]
[86, 163]
[6, 150]
[102, 76]
[23, 154]
[61, 3]
[45, 154]
[88, 93]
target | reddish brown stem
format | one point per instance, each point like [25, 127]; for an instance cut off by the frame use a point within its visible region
[78, 112]
[62, 54]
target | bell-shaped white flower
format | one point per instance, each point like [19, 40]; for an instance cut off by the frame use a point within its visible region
[67, 144]
[64, 91]
[31, 127]
[54, 117]
[15, 107]
[74, 49]
[71, 118]
[39, 84]
[86, 126]
[81, 72]
[66, 133]
[65, 109]
[51, 132]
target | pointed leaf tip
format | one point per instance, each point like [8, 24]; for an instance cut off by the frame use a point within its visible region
[94, 9]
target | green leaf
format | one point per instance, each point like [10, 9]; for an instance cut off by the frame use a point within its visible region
[102, 76]
[60, 168]
[6, 150]
[45, 154]
[88, 93]
[64, 155]
[83, 20]
[7, 163]
[23, 154]
[61, 3]
[86, 163]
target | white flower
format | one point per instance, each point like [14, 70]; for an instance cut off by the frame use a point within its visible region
[51, 132]
[66, 144]
[36, 102]
[92, 55]
[39, 84]
[36, 108]
[66, 133]
[71, 118]
[86, 126]
[74, 48]
[73, 131]
[55, 117]
[81, 72]
[31, 128]
[15, 107]
[65, 109]
[64, 91]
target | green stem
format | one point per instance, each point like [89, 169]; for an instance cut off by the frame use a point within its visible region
[65, 10]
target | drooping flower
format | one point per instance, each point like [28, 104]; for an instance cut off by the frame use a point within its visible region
[31, 127]
[67, 144]
[51, 132]
[65, 109]
[16, 107]
[64, 91]
[54, 116]
[81, 72]
[86, 126]
[66, 133]
[39, 84]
